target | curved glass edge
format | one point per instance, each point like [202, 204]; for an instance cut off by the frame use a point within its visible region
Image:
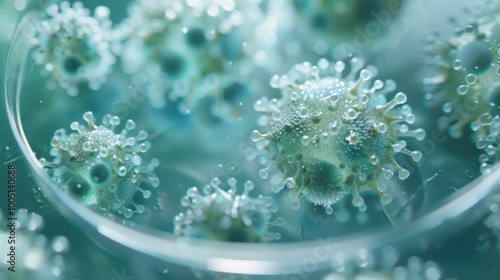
[456, 211]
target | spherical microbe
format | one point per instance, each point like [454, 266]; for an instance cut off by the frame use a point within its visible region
[185, 52]
[463, 72]
[216, 214]
[74, 46]
[331, 133]
[103, 169]
[34, 256]
[358, 20]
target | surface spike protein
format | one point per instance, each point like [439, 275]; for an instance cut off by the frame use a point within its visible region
[187, 51]
[74, 46]
[465, 73]
[331, 133]
[221, 215]
[102, 168]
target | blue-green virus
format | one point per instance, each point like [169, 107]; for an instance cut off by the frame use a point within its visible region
[358, 20]
[333, 132]
[464, 74]
[103, 169]
[35, 257]
[216, 214]
[184, 52]
[74, 47]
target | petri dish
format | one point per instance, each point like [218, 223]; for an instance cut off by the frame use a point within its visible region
[309, 240]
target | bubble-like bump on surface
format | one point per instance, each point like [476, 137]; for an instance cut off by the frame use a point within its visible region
[330, 150]
[104, 169]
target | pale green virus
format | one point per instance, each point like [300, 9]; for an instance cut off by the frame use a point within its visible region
[216, 214]
[74, 46]
[27, 254]
[464, 73]
[333, 132]
[186, 51]
[103, 169]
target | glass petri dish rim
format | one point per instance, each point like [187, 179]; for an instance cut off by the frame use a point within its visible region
[450, 215]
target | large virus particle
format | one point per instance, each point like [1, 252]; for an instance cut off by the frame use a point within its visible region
[366, 266]
[102, 168]
[358, 21]
[487, 137]
[33, 257]
[464, 74]
[74, 46]
[185, 51]
[216, 214]
[331, 133]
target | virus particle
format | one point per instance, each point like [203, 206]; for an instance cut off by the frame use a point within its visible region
[103, 169]
[464, 74]
[35, 258]
[331, 133]
[359, 21]
[487, 137]
[75, 47]
[225, 215]
[185, 51]
[365, 266]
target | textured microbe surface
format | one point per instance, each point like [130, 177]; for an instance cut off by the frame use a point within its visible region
[464, 73]
[186, 51]
[333, 132]
[367, 266]
[36, 257]
[74, 46]
[102, 168]
[215, 214]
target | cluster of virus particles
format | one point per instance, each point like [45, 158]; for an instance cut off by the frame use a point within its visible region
[75, 47]
[186, 51]
[366, 266]
[332, 135]
[216, 214]
[102, 168]
[333, 131]
[465, 80]
[36, 257]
